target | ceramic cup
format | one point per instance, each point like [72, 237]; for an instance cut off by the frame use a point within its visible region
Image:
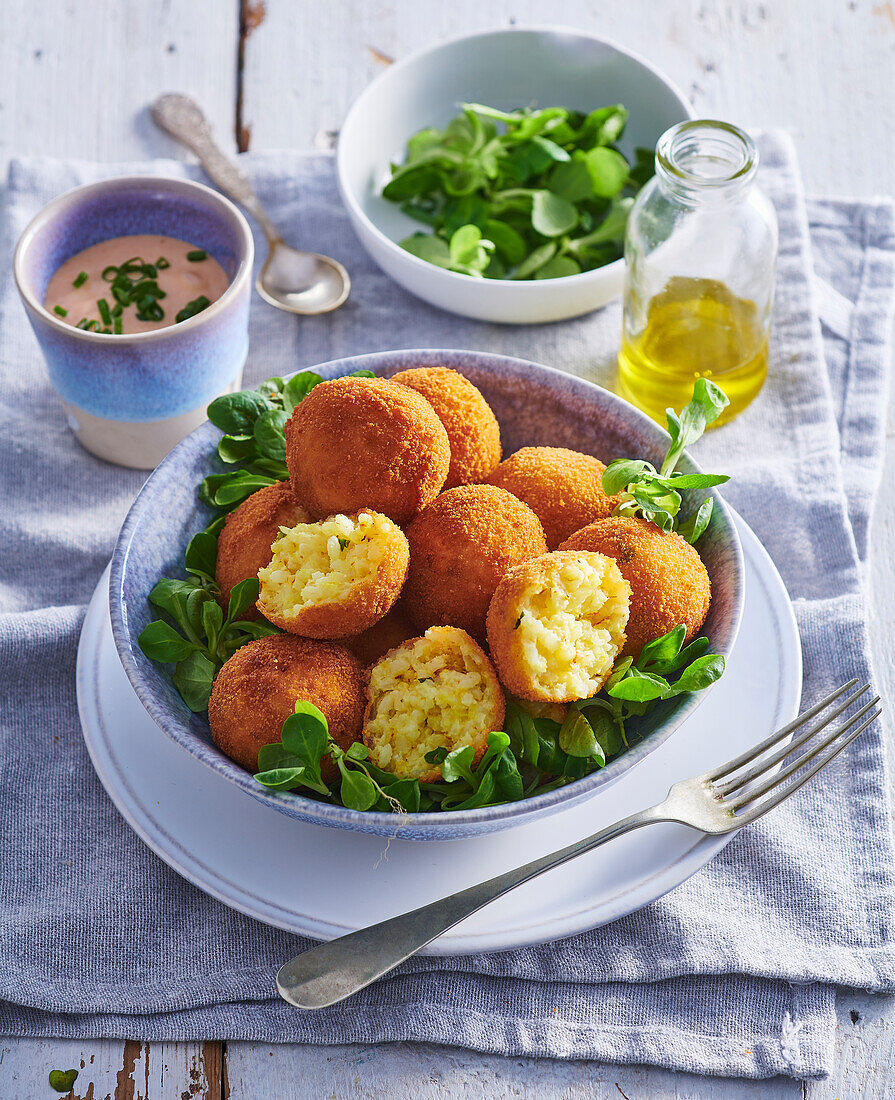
[130, 398]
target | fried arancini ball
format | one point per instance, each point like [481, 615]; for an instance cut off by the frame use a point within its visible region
[556, 625]
[248, 534]
[374, 642]
[461, 546]
[257, 689]
[366, 443]
[471, 426]
[563, 488]
[334, 578]
[429, 692]
[669, 583]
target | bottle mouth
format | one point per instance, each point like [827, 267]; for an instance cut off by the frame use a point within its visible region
[703, 157]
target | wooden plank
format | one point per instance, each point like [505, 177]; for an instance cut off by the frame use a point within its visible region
[75, 80]
[113, 1069]
[425, 1072]
[865, 1050]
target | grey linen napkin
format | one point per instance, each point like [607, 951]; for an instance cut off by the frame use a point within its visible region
[99, 938]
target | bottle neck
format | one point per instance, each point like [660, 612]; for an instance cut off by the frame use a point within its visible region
[705, 162]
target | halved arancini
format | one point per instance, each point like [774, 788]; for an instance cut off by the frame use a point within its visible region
[471, 426]
[669, 583]
[248, 534]
[556, 625]
[436, 691]
[334, 578]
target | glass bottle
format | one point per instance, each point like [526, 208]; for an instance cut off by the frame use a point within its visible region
[701, 249]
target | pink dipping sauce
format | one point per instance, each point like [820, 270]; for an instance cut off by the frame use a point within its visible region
[184, 282]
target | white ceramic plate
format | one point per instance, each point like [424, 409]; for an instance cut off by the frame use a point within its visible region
[279, 870]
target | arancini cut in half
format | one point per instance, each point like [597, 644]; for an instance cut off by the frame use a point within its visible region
[556, 625]
[563, 488]
[461, 547]
[257, 689]
[471, 426]
[248, 534]
[366, 443]
[669, 583]
[438, 691]
[334, 578]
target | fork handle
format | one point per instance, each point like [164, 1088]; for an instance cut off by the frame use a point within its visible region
[329, 973]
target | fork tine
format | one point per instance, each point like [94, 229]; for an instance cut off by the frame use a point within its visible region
[784, 792]
[781, 776]
[762, 766]
[757, 750]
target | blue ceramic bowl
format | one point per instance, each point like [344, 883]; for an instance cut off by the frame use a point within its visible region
[131, 398]
[535, 405]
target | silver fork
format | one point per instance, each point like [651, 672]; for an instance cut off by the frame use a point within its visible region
[720, 801]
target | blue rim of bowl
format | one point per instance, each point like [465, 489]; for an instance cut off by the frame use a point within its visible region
[329, 814]
[356, 211]
[242, 275]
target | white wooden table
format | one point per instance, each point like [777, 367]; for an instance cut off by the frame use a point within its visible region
[74, 82]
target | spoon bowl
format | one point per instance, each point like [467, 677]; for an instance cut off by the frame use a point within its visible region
[302, 282]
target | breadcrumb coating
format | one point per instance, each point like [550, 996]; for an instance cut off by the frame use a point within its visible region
[461, 547]
[669, 583]
[366, 443]
[248, 534]
[334, 578]
[563, 488]
[471, 426]
[431, 692]
[257, 689]
[556, 625]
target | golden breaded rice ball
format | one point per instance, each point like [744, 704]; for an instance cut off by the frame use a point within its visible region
[669, 583]
[431, 692]
[471, 426]
[563, 488]
[366, 443]
[257, 689]
[374, 642]
[334, 578]
[248, 534]
[461, 547]
[556, 625]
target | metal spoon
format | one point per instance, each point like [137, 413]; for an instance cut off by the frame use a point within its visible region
[300, 282]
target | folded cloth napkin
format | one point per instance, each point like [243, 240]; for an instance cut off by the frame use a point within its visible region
[100, 938]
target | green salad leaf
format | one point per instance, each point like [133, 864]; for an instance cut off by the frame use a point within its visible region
[538, 193]
[656, 494]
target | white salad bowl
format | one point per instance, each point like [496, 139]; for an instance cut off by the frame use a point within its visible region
[507, 68]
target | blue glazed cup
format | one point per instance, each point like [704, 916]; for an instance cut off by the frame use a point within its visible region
[131, 398]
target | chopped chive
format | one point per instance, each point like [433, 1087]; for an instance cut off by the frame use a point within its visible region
[81, 279]
[60, 311]
[161, 263]
[149, 271]
[103, 306]
[114, 270]
[116, 309]
[193, 307]
[121, 296]
[196, 255]
[82, 323]
[116, 324]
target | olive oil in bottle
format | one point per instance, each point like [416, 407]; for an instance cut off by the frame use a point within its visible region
[700, 256]
[695, 328]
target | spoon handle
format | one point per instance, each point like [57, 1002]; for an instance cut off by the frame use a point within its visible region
[181, 117]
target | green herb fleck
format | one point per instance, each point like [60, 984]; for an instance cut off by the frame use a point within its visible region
[193, 307]
[80, 279]
[60, 311]
[63, 1080]
[103, 306]
[343, 543]
[196, 255]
